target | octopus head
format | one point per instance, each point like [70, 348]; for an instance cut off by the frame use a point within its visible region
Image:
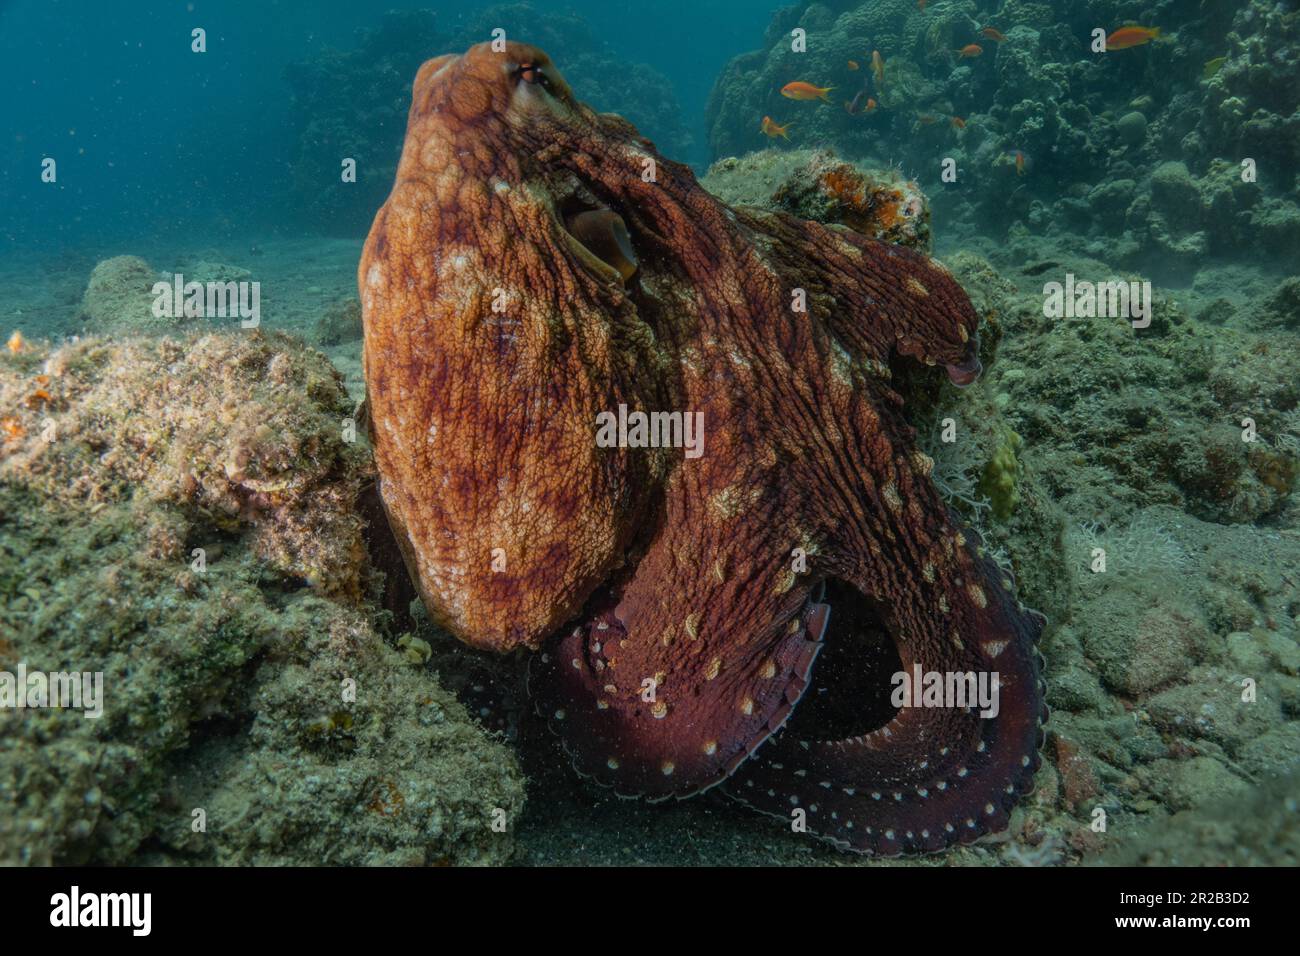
[512, 83]
[498, 328]
[508, 106]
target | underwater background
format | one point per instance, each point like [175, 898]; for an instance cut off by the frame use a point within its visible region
[985, 132]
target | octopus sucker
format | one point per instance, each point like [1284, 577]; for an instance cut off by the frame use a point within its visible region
[670, 570]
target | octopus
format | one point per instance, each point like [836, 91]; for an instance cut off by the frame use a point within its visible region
[540, 269]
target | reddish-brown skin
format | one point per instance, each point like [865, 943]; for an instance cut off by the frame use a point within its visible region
[685, 587]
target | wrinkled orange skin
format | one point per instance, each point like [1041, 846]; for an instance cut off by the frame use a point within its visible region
[689, 580]
[508, 514]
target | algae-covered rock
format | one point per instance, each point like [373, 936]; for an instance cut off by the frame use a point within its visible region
[125, 296]
[1174, 191]
[180, 518]
[248, 433]
[1160, 415]
[1279, 747]
[1132, 128]
[1282, 308]
[340, 323]
[119, 300]
[1183, 784]
[816, 185]
[1257, 826]
[205, 271]
[1217, 706]
[1139, 650]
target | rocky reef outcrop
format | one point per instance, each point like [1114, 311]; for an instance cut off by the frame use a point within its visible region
[181, 518]
[816, 185]
[120, 297]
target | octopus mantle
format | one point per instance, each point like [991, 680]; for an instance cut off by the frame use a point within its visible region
[537, 265]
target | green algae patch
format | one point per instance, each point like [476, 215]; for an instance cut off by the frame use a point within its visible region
[1000, 480]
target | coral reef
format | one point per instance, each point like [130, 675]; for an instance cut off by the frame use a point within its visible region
[180, 517]
[1142, 152]
[1249, 106]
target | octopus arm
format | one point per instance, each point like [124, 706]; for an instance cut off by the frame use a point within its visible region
[876, 298]
[940, 772]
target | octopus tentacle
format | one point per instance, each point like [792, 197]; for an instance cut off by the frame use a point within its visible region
[929, 777]
[669, 742]
[951, 611]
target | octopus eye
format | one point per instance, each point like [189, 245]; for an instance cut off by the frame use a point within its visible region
[604, 234]
[531, 73]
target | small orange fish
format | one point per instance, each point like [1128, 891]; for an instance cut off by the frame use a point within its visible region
[799, 90]
[1019, 157]
[773, 131]
[994, 35]
[878, 67]
[958, 123]
[16, 342]
[853, 64]
[969, 50]
[871, 104]
[1126, 37]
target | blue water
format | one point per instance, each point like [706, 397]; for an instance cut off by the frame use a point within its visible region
[153, 139]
